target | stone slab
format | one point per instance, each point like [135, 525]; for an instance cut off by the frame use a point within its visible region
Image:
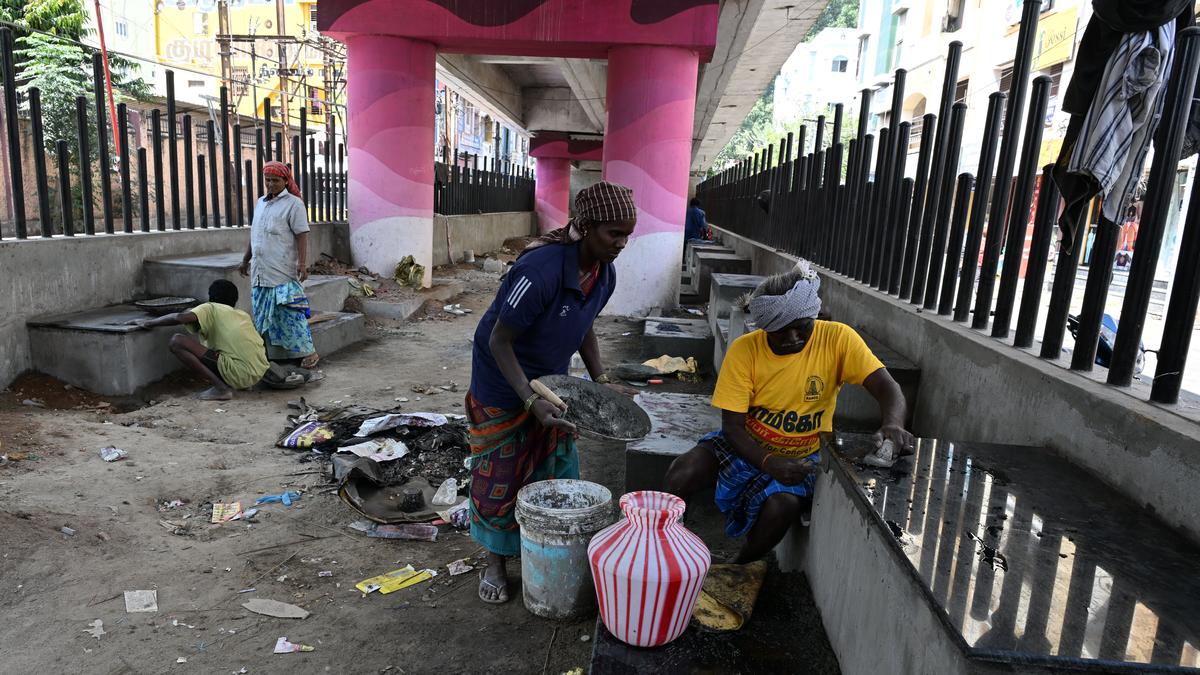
[679, 337]
[677, 421]
[1026, 562]
[191, 275]
[69, 346]
[442, 290]
[725, 289]
[690, 265]
[709, 263]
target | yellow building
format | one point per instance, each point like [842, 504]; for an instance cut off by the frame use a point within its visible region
[186, 38]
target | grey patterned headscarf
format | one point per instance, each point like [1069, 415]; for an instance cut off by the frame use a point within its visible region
[775, 312]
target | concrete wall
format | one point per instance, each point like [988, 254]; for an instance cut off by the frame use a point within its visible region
[61, 275]
[975, 388]
[481, 233]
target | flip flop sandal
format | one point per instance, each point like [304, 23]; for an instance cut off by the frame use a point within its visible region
[501, 599]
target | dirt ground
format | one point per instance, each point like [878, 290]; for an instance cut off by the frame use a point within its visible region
[53, 586]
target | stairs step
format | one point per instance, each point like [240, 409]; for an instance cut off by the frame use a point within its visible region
[191, 275]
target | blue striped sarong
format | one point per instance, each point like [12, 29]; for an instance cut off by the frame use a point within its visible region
[742, 488]
[281, 316]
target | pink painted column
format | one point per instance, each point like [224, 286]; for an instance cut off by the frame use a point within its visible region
[390, 118]
[648, 147]
[553, 192]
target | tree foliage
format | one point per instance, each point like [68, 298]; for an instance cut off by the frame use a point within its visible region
[837, 14]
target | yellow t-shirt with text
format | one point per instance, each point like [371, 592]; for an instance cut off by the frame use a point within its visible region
[789, 400]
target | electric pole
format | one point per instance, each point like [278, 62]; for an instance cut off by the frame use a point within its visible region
[283, 73]
[223, 39]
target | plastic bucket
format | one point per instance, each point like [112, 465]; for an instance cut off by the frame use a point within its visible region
[558, 519]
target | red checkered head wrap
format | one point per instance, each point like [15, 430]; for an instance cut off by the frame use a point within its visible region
[281, 170]
[602, 202]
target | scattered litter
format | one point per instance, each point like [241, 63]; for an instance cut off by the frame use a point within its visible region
[307, 435]
[181, 660]
[403, 399]
[175, 623]
[410, 531]
[325, 573]
[696, 312]
[225, 512]
[34, 403]
[456, 310]
[173, 504]
[282, 578]
[282, 646]
[247, 590]
[627, 334]
[458, 515]
[219, 410]
[67, 531]
[96, 630]
[275, 608]
[669, 365]
[393, 420]
[141, 601]
[248, 514]
[409, 273]
[585, 638]
[381, 451]
[459, 567]
[447, 493]
[654, 381]
[175, 527]
[111, 454]
[103, 536]
[286, 498]
[395, 580]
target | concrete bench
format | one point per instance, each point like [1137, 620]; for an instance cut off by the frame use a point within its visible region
[191, 275]
[677, 421]
[96, 351]
[980, 558]
[679, 337]
[724, 291]
[712, 262]
[690, 266]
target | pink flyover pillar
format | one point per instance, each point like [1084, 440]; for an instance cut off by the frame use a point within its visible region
[648, 147]
[553, 192]
[390, 122]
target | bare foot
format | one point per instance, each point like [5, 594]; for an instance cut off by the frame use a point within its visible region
[309, 362]
[493, 584]
[215, 394]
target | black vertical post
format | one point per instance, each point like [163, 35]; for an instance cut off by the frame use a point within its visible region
[85, 165]
[342, 182]
[266, 133]
[249, 194]
[1167, 145]
[188, 180]
[1018, 219]
[839, 112]
[301, 160]
[958, 226]
[64, 187]
[819, 136]
[39, 162]
[309, 172]
[160, 200]
[1060, 301]
[172, 150]
[319, 190]
[862, 202]
[983, 186]
[897, 216]
[1007, 161]
[239, 186]
[201, 192]
[1039, 248]
[912, 238]
[864, 112]
[261, 152]
[143, 189]
[226, 158]
[13, 129]
[104, 164]
[941, 182]
[875, 206]
[126, 183]
[1181, 310]
[212, 172]
[1095, 294]
[279, 146]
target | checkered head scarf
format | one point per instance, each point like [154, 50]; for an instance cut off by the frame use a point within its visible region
[782, 299]
[281, 170]
[603, 202]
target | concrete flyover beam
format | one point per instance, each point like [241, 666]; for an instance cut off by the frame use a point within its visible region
[556, 108]
[588, 80]
[486, 84]
[754, 38]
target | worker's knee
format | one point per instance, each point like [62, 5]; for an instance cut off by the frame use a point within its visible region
[178, 342]
[689, 472]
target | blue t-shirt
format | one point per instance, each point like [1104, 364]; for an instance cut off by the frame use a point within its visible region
[694, 225]
[541, 301]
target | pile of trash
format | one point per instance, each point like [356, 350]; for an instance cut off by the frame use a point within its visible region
[391, 467]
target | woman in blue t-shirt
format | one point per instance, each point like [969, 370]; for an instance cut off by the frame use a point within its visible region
[541, 317]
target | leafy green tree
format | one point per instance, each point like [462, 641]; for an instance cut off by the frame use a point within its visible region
[837, 14]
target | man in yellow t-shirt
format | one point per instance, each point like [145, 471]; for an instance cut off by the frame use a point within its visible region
[777, 391]
[230, 353]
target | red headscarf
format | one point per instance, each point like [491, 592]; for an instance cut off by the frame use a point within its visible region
[281, 170]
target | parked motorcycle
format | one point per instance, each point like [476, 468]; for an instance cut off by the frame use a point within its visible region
[1108, 338]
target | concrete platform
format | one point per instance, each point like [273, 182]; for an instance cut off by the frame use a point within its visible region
[442, 290]
[96, 351]
[709, 263]
[679, 337]
[191, 275]
[677, 421]
[857, 410]
[691, 266]
[995, 559]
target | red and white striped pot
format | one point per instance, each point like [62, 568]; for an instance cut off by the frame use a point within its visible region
[648, 570]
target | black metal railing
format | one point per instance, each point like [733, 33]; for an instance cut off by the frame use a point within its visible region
[220, 181]
[481, 185]
[937, 242]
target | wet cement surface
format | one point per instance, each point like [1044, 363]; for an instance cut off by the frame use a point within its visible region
[1026, 556]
